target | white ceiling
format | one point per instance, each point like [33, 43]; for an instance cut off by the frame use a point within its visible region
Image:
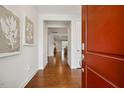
[61, 38]
[57, 31]
[59, 9]
[58, 24]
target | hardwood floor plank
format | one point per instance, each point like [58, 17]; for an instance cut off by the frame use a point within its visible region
[57, 74]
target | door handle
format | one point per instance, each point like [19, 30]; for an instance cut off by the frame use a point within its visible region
[82, 69]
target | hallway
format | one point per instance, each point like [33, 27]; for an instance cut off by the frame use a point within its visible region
[57, 74]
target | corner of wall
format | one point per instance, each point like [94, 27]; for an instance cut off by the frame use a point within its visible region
[45, 65]
[26, 81]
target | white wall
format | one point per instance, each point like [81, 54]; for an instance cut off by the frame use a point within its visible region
[16, 71]
[78, 44]
[50, 45]
[69, 45]
[75, 43]
[45, 44]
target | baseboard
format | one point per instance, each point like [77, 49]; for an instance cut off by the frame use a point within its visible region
[45, 66]
[75, 67]
[68, 65]
[50, 56]
[26, 81]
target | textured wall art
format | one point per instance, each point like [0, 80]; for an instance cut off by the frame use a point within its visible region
[9, 32]
[29, 39]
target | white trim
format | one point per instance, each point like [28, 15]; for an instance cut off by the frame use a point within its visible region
[26, 81]
[45, 65]
[2, 55]
[25, 44]
[53, 17]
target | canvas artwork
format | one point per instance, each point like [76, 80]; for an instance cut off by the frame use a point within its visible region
[28, 31]
[9, 32]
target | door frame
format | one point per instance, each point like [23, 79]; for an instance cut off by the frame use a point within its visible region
[40, 36]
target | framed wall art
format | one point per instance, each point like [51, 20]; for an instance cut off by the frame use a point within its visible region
[9, 33]
[29, 31]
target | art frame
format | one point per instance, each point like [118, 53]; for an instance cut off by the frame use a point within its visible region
[28, 32]
[10, 43]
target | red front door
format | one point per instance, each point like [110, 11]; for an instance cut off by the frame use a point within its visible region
[103, 28]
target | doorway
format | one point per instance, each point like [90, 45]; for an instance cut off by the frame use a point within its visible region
[58, 32]
[57, 72]
[64, 49]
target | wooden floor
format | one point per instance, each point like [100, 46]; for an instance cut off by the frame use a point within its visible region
[57, 74]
